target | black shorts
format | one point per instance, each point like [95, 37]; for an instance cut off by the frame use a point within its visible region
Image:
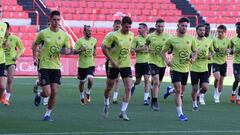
[106, 65]
[179, 77]
[48, 76]
[220, 68]
[236, 69]
[7, 66]
[154, 69]
[199, 76]
[141, 69]
[84, 72]
[124, 72]
[209, 69]
[3, 71]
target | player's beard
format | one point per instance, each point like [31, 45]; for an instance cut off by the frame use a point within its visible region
[201, 35]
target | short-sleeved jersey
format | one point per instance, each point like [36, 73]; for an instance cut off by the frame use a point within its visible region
[121, 52]
[211, 38]
[204, 46]
[14, 50]
[52, 42]
[182, 50]
[86, 58]
[138, 42]
[156, 43]
[220, 57]
[235, 45]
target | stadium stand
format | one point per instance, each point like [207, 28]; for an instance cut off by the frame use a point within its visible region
[218, 11]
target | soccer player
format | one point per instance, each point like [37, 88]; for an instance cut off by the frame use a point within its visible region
[235, 46]
[219, 61]
[12, 53]
[199, 69]
[3, 73]
[116, 27]
[202, 92]
[183, 46]
[119, 58]
[37, 87]
[53, 40]
[207, 35]
[86, 47]
[142, 57]
[155, 41]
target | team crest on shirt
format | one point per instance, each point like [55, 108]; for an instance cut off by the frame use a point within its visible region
[187, 42]
[224, 43]
[163, 39]
[130, 39]
[48, 39]
[206, 46]
[59, 38]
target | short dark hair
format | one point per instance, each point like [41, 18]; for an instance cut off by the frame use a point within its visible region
[183, 19]
[237, 24]
[8, 26]
[85, 27]
[144, 25]
[126, 19]
[159, 21]
[54, 12]
[199, 26]
[207, 24]
[117, 21]
[222, 27]
[152, 29]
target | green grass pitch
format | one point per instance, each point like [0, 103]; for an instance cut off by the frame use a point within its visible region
[22, 117]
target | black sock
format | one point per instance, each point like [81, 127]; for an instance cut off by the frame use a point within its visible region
[235, 85]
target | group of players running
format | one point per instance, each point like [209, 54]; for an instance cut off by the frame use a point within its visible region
[194, 55]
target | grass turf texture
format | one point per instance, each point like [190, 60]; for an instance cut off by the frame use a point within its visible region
[72, 118]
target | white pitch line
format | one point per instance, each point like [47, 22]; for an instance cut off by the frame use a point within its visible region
[128, 132]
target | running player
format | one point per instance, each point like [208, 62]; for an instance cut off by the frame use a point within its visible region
[183, 47]
[12, 53]
[119, 58]
[202, 92]
[235, 46]
[155, 41]
[199, 70]
[219, 61]
[3, 73]
[53, 40]
[142, 57]
[116, 27]
[86, 47]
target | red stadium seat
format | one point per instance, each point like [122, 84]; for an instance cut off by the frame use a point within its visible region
[124, 5]
[76, 17]
[90, 4]
[23, 29]
[14, 29]
[99, 5]
[83, 4]
[148, 6]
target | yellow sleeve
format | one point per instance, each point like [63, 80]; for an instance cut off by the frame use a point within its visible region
[167, 46]
[20, 47]
[108, 40]
[194, 43]
[134, 43]
[39, 38]
[78, 45]
[211, 48]
[66, 42]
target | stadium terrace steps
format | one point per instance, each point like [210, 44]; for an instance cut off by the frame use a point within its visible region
[218, 11]
[187, 10]
[108, 10]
